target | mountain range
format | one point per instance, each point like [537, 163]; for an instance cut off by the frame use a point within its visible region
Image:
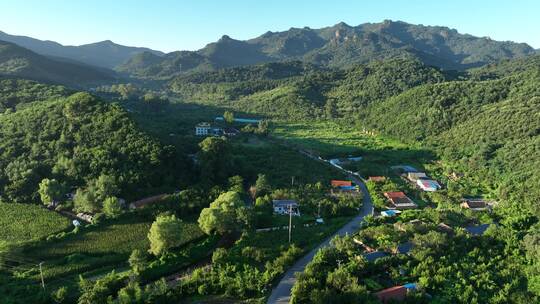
[105, 54]
[16, 61]
[337, 46]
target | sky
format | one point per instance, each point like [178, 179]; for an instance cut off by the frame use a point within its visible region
[170, 25]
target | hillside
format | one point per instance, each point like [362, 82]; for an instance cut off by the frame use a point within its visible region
[76, 140]
[105, 54]
[337, 46]
[16, 61]
[299, 90]
[490, 128]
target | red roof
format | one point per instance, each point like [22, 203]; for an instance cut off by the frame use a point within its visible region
[397, 194]
[392, 293]
[339, 183]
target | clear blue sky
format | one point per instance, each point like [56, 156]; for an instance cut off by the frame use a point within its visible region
[169, 25]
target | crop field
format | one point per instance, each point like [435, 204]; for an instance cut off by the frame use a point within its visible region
[102, 246]
[24, 222]
[338, 139]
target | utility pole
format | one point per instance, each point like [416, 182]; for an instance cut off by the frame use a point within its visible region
[41, 274]
[290, 222]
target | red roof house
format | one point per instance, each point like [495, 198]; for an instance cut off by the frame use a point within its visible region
[340, 183]
[399, 200]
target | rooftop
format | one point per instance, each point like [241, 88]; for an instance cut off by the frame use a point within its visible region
[284, 203]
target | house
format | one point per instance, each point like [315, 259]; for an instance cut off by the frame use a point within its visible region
[475, 204]
[399, 200]
[376, 179]
[340, 183]
[146, 201]
[286, 206]
[202, 129]
[414, 176]
[396, 293]
[428, 185]
[375, 255]
[477, 230]
[390, 213]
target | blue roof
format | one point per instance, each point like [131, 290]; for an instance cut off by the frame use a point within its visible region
[477, 230]
[410, 285]
[389, 212]
[347, 187]
[242, 120]
[405, 247]
[372, 256]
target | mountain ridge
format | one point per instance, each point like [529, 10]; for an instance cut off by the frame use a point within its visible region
[104, 53]
[339, 46]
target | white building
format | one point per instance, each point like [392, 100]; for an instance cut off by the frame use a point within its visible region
[202, 129]
[286, 206]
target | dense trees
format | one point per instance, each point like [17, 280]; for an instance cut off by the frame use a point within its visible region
[75, 141]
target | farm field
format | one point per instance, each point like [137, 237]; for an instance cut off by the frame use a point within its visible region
[105, 246]
[333, 139]
[34, 222]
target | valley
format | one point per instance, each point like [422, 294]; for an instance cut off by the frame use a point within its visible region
[347, 164]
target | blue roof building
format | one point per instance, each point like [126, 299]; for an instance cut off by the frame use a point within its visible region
[240, 120]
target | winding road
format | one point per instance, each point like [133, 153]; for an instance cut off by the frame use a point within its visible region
[282, 292]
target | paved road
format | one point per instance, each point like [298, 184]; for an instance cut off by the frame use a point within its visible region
[282, 292]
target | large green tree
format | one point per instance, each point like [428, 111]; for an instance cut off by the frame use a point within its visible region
[50, 190]
[165, 233]
[226, 215]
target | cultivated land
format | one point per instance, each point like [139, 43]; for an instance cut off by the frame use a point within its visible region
[33, 222]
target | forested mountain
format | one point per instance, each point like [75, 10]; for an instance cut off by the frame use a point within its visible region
[103, 54]
[299, 90]
[337, 46]
[16, 61]
[77, 140]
